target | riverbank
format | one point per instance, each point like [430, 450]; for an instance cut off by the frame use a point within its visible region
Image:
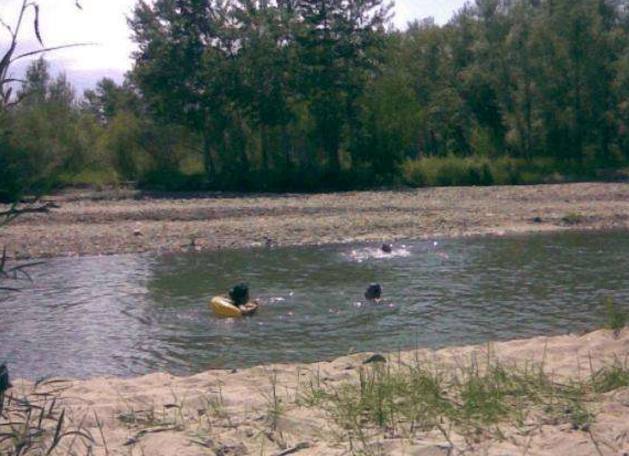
[88, 223]
[543, 396]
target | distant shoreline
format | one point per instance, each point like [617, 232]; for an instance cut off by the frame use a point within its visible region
[92, 223]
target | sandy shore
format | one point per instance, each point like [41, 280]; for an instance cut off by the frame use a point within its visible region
[261, 411]
[126, 222]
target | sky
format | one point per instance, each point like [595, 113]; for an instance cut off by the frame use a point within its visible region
[103, 23]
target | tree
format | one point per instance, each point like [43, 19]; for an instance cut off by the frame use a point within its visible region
[108, 99]
[185, 66]
[264, 63]
[338, 43]
[519, 112]
[13, 185]
[575, 74]
[389, 120]
[44, 129]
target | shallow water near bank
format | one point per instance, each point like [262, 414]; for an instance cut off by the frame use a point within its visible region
[133, 314]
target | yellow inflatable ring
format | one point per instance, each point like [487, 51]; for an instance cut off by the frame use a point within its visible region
[223, 307]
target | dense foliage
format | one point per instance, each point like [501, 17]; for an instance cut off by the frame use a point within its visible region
[318, 94]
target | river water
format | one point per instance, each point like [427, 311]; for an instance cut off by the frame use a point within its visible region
[133, 314]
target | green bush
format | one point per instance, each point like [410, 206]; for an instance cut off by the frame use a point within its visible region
[477, 170]
[506, 170]
[448, 171]
[90, 177]
[13, 181]
[172, 180]
[38, 144]
[122, 144]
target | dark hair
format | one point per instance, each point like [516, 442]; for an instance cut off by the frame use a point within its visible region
[386, 248]
[239, 294]
[374, 291]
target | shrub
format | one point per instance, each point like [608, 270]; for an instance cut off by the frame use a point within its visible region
[480, 170]
[121, 141]
[98, 177]
[506, 171]
[172, 180]
[611, 378]
[447, 171]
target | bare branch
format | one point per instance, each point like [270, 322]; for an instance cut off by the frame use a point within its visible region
[15, 211]
[54, 48]
[8, 57]
[36, 24]
[6, 26]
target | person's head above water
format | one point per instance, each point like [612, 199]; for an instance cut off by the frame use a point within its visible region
[374, 291]
[386, 247]
[239, 294]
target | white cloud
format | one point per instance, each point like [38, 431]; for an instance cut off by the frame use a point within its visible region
[440, 10]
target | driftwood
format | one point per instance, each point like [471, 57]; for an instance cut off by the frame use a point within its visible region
[295, 449]
[136, 438]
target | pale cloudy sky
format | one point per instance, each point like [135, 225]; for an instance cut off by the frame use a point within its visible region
[103, 22]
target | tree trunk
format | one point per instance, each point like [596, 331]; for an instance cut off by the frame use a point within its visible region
[528, 108]
[333, 156]
[241, 143]
[578, 119]
[286, 148]
[208, 161]
[264, 147]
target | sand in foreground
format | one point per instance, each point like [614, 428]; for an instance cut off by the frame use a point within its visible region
[271, 410]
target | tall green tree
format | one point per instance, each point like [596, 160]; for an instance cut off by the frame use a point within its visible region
[338, 43]
[45, 128]
[185, 66]
[265, 72]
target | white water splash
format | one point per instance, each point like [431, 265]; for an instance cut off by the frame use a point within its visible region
[374, 253]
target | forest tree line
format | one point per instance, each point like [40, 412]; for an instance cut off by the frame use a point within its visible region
[321, 94]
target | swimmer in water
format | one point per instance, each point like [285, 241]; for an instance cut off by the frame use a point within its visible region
[374, 292]
[239, 296]
[386, 247]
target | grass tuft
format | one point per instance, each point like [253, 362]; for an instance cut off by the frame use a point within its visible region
[616, 317]
[35, 424]
[474, 400]
[611, 378]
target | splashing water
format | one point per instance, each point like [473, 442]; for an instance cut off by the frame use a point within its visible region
[375, 253]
